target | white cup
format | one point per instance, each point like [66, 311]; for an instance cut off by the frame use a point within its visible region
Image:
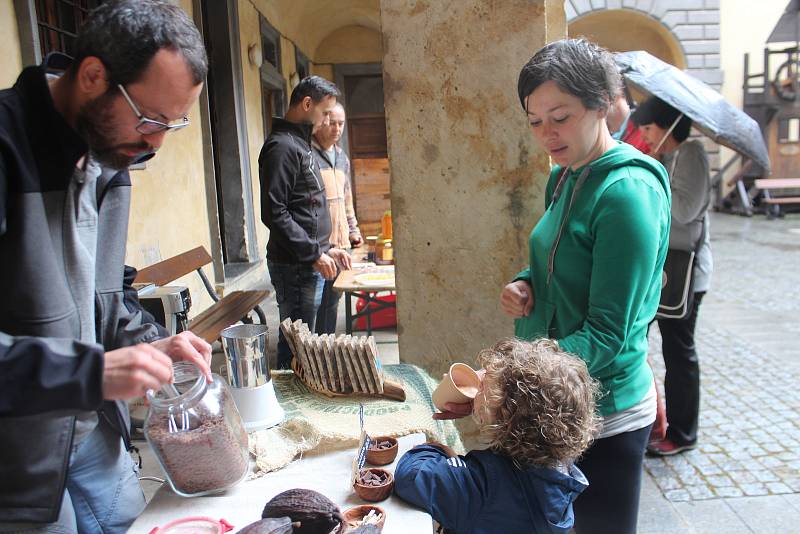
[460, 385]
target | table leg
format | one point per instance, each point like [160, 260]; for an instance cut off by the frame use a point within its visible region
[370, 298]
[348, 313]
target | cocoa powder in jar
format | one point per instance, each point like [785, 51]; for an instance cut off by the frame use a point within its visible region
[206, 458]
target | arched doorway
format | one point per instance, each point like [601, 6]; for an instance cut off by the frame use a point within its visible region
[641, 33]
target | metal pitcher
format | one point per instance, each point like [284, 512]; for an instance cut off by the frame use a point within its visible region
[245, 348]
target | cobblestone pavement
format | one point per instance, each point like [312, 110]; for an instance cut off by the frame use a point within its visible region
[757, 262]
[749, 436]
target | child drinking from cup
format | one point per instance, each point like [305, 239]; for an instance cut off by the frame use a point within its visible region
[536, 411]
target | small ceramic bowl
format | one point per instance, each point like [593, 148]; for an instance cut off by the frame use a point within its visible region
[374, 493]
[353, 515]
[382, 456]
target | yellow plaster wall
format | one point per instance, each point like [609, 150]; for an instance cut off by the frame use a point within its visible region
[10, 61]
[326, 71]
[168, 205]
[308, 22]
[740, 33]
[250, 34]
[288, 64]
[351, 44]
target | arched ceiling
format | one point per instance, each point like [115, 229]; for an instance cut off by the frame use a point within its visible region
[308, 22]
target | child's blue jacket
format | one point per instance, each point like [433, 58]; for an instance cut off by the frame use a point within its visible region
[483, 492]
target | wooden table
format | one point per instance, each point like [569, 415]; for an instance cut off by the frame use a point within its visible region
[346, 283]
[328, 474]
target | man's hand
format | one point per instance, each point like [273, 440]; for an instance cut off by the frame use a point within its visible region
[326, 267]
[187, 347]
[342, 258]
[517, 299]
[130, 372]
[356, 240]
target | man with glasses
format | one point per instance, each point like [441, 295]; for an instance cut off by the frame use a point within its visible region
[335, 168]
[71, 350]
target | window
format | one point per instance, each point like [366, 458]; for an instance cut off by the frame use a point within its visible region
[58, 22]
[789, 130]
[272, 83]
[270, 45]
[302, 64]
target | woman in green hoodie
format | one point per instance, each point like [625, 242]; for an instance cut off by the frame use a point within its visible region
[596, 257]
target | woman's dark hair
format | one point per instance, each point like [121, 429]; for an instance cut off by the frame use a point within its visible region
[578, 67]
[314, 86]
[655, 110]
[126, 34]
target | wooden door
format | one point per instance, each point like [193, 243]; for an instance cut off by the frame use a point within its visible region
[366, 132]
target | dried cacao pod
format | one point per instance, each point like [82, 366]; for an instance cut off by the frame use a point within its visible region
[314, 511]
[278, 525]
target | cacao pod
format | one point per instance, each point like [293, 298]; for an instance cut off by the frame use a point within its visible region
[314, 511]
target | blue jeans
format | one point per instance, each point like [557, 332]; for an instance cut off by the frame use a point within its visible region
[103, 494]
[328, 310]
[298, 290]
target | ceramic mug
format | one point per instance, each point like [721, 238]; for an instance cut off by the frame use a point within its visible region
[460, 385]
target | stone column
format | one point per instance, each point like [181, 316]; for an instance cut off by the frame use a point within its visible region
[467, 180]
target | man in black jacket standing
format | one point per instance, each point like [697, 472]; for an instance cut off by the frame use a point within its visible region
[71, 350]
[295, 209]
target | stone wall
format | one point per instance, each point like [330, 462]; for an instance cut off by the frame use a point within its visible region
[694, 23]
[467, 182]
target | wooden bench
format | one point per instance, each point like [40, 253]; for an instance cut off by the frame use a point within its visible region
[234, 306]
[767, 185]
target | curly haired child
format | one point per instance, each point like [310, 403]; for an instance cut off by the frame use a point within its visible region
[536, 411]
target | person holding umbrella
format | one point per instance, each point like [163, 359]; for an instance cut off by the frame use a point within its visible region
[594, 274]
[666, 130]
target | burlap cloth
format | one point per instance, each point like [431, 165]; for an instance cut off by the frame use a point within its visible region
[320, 423]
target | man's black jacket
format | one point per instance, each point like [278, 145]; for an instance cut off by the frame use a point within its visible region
[48, 376]
[293, 202]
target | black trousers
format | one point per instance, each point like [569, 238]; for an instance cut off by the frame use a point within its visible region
[610, 505]
[327, 314]
[682, 379]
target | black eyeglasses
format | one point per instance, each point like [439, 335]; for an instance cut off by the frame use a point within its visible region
[149, 126]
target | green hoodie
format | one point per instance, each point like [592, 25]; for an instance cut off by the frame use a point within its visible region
[603, 283]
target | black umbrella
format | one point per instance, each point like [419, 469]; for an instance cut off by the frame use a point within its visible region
[788, 26]
[709, 111]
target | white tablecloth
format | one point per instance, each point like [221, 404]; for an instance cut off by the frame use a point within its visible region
[327, 473]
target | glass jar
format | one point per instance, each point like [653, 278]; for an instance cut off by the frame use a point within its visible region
[388, 253]
[372, 245]
[197, 436]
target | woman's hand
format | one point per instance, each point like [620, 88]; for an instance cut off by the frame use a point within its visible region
[517, 299]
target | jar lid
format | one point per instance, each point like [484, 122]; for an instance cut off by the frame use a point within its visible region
[194, 525]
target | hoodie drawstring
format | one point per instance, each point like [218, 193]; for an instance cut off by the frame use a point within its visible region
[551, 260]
